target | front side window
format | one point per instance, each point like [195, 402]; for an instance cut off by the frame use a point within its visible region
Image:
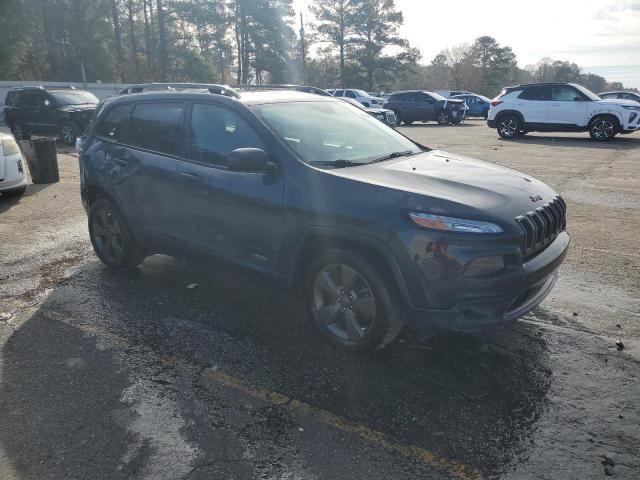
[115, 124]
[333, 133]
[157, 127]
[565, 94]
[216, 131]
[350, 94]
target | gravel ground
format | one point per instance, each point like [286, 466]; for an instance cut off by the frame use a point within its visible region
[133, 375]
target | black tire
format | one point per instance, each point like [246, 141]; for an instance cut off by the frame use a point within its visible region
[111, 239]
[15, 192]
[69, 131]
[398, 118]
[509, 127]
[603, 128]
[457, 119]
[19, 132]
[443, 118]
[331, 303]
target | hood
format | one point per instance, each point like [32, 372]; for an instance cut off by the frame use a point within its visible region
[617, 101]
[378, 110]
[452, 183]
[378, 99]
[78, 108]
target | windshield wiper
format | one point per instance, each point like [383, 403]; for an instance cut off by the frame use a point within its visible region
[335, 163]
[391, 156]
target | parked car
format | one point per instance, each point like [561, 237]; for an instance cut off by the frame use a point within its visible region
[382, 114]
[477, 105]
[49, 111]
[372, 229]
[417, 105]
[635, 96]
[560, 107]
[13, 178]
[360, 96]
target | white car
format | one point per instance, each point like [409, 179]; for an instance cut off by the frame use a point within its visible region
[561, 107]
[361, 96]
[13, 178]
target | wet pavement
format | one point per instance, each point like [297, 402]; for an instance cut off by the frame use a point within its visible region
[133, 375]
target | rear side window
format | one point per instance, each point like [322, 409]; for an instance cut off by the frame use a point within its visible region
[349, 94]
[216, 131]
[115, 124]
[157, 127]
[540, 92]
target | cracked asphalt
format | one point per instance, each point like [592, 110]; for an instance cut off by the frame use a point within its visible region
[132, 375]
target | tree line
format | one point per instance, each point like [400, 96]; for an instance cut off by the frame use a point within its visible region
[349, 43]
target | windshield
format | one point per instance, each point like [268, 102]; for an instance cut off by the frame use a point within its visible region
[74, 97]
[354, 102]
[588, 93]
[436, 96]
[333, 132]
[361, 93]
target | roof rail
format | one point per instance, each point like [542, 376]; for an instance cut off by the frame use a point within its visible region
[297, 88]
[211, 87]
[44, 87]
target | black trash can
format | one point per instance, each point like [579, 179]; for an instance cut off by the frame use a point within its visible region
[42, 158]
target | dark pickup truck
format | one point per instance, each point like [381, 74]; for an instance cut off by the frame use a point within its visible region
[417, 105]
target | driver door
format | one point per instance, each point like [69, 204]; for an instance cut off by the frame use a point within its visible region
[568, 106]
[236, 215]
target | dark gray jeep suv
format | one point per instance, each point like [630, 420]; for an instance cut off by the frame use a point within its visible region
[372, 229]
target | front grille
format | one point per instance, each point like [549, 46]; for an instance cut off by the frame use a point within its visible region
[542, 226]
[391, 117]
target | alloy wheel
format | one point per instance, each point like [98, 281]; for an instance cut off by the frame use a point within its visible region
[66, 133]
[508, 128]
[343, 303]
[603, 129]
[443, 118]
[108, 237]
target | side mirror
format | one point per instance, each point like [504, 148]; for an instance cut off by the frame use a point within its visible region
[248, 160]
[577, 99]
[47, 103]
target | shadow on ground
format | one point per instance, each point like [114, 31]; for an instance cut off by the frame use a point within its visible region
[464, 398]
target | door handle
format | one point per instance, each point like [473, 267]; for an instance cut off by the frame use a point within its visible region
[555, 104]
[192, 177]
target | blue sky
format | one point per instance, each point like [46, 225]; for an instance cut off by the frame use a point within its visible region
[602, 37]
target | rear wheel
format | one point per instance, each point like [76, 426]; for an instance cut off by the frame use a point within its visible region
[443, 118]
[111, 238]
[603, 128]
[19, 132]
[509, 127]
[350, 302]
[398, 118]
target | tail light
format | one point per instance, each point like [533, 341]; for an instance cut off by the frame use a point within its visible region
[495, 102]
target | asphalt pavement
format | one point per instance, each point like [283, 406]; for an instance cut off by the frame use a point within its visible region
[134, 375]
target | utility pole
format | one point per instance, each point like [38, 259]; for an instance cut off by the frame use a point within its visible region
[303, 50]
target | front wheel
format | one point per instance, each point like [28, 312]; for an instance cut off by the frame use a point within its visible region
[111, 238]
[602, 129]
[69, 132]
[443, 118]
[509, 127]
[351, 303]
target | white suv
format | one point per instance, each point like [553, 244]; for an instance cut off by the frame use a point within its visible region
[561, 107]
[361, 96]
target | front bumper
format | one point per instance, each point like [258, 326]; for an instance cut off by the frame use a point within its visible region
[475, 303]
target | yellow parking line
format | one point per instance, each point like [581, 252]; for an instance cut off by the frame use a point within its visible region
[369, 435]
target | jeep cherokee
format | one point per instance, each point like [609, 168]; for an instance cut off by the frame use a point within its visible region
[372, 229]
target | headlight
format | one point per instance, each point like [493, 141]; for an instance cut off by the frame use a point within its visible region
[449, 224]
[380, 116]
[9, 147]
[632, 107]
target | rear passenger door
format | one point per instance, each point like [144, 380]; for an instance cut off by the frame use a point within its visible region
[143, 161]
[534, 102]
[235, 215]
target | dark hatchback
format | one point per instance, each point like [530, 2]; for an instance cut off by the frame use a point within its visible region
[370, 228]
[417, 105]
[51, 111]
